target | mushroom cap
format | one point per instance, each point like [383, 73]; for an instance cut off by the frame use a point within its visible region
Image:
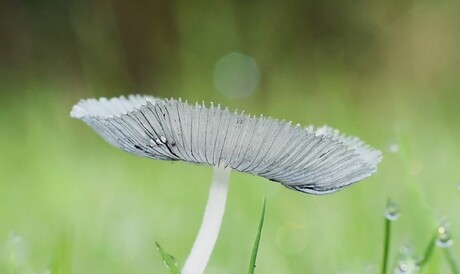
[315, 161]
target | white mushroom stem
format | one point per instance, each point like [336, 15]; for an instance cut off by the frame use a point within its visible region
[210, 226]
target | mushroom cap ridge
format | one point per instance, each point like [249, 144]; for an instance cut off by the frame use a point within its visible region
[315, 161]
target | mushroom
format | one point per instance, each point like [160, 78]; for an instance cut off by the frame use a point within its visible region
[309, 160]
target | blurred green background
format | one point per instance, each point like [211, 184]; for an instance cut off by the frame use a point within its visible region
[386, 71]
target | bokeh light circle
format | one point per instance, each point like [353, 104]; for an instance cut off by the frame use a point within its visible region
[236, 75]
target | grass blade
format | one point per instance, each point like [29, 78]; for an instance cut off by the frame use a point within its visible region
[252, 263]
[450, 259]
[428, 251]
[62, 261]
[391, 215]
[445, 241]
[168, 260]
[386, 246]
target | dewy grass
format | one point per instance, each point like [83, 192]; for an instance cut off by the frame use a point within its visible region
[391, 215]
[442, 238]
[406, 262]
[444, 241]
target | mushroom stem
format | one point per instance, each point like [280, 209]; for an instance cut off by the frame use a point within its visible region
[210, 226]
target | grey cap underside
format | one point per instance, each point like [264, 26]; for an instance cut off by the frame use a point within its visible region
[315, 161]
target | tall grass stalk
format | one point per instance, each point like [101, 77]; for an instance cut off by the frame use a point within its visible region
[391, 215]
[386, 245]
[428, 251]
[252, 263]
[451, 261]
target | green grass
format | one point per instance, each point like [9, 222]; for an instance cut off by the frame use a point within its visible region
[168, 260]
[386, 73]
[83, 206]
[255, 249]
[391, 215]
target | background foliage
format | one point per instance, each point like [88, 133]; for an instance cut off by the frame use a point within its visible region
[387, 71]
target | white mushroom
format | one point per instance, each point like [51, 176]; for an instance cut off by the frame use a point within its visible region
[309, 160]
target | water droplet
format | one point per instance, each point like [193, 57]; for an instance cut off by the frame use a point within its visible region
[393, 148]
[163, 139]
[402, 268]
[152, 143]
[444, 237]
[406, 262]
[407, 267]
[392, 211]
